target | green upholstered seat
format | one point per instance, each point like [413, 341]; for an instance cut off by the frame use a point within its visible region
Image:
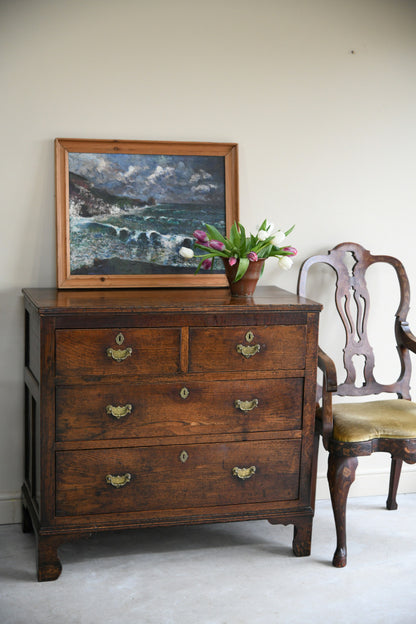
[359, 422]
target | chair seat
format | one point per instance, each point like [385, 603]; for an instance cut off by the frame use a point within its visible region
[359, 422]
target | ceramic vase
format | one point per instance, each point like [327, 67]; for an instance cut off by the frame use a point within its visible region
[246, 286]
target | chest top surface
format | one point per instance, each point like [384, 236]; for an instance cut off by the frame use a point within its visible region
[50, 301]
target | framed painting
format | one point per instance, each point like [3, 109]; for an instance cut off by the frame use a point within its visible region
[125, 208]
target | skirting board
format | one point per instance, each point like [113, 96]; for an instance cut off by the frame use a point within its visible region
[369, 483]
[10, 508]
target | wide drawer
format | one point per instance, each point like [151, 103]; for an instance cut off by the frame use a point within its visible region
[117, 351]
[176, 477]
[243, 348]
[193, 408]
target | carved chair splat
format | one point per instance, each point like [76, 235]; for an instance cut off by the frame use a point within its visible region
[354, 429]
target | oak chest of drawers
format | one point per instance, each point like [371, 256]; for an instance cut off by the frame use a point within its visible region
[166, 407]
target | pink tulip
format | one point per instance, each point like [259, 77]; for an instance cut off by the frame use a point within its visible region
[201, 236]
[207, 264]
[252, 256]
[217, 245]
[232, 261]
[291, 250]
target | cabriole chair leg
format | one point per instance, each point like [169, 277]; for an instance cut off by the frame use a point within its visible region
[341, 474]
[396, 468]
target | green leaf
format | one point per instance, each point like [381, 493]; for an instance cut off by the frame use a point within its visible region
[213, 233]
[234, 235]
[201, 247]
[264, 252]
[276, 252]
[242, 268]
[198, 268]
[290, 230]
[213, 254]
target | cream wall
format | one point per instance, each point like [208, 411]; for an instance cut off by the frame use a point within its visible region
[319, 94]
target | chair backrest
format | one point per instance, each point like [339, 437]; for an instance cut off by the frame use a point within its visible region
[350, 262]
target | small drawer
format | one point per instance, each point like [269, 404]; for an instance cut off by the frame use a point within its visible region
[81, 352]
[264, 348]
[176, 477]
[189, 408]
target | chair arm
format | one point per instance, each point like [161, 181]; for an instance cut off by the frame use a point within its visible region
[404, 336]
[327, 366]
[329, 385]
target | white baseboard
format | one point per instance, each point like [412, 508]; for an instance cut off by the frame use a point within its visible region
[371, 483]
[368, 483]
[10, 508]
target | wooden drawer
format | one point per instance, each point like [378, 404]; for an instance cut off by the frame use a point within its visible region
[117, 352]
[191, 408]
[263, 348]
[176, 477]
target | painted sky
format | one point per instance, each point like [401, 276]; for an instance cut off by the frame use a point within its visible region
[169, 179]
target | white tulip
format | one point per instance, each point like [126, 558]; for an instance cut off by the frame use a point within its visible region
[285, 263]
[186, 253]
[278, 238]
[262, 235]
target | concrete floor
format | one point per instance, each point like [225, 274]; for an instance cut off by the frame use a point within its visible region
[238, 573]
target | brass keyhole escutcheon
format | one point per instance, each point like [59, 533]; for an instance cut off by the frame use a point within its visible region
[119, 339]
[184, 393]
[249, 336]
[183, 456]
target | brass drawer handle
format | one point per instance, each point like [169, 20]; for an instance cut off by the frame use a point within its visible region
[244, 473]
[120, 411]
[246, 406]
[119, 480]
[248, 350]
[119, 354]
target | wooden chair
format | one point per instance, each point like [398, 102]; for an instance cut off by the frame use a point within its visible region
[353, 429]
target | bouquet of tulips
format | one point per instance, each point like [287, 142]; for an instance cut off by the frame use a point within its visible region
[240, 247]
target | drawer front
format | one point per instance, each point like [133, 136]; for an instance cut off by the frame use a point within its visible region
[191, 408]
[117, 352]
[176, 477]
[264, 348]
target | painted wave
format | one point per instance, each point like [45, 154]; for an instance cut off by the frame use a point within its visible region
[151, 235]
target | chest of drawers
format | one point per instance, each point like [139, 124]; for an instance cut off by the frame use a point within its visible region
[166, 407]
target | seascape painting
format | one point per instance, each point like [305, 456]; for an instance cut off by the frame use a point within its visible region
[129, 214]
